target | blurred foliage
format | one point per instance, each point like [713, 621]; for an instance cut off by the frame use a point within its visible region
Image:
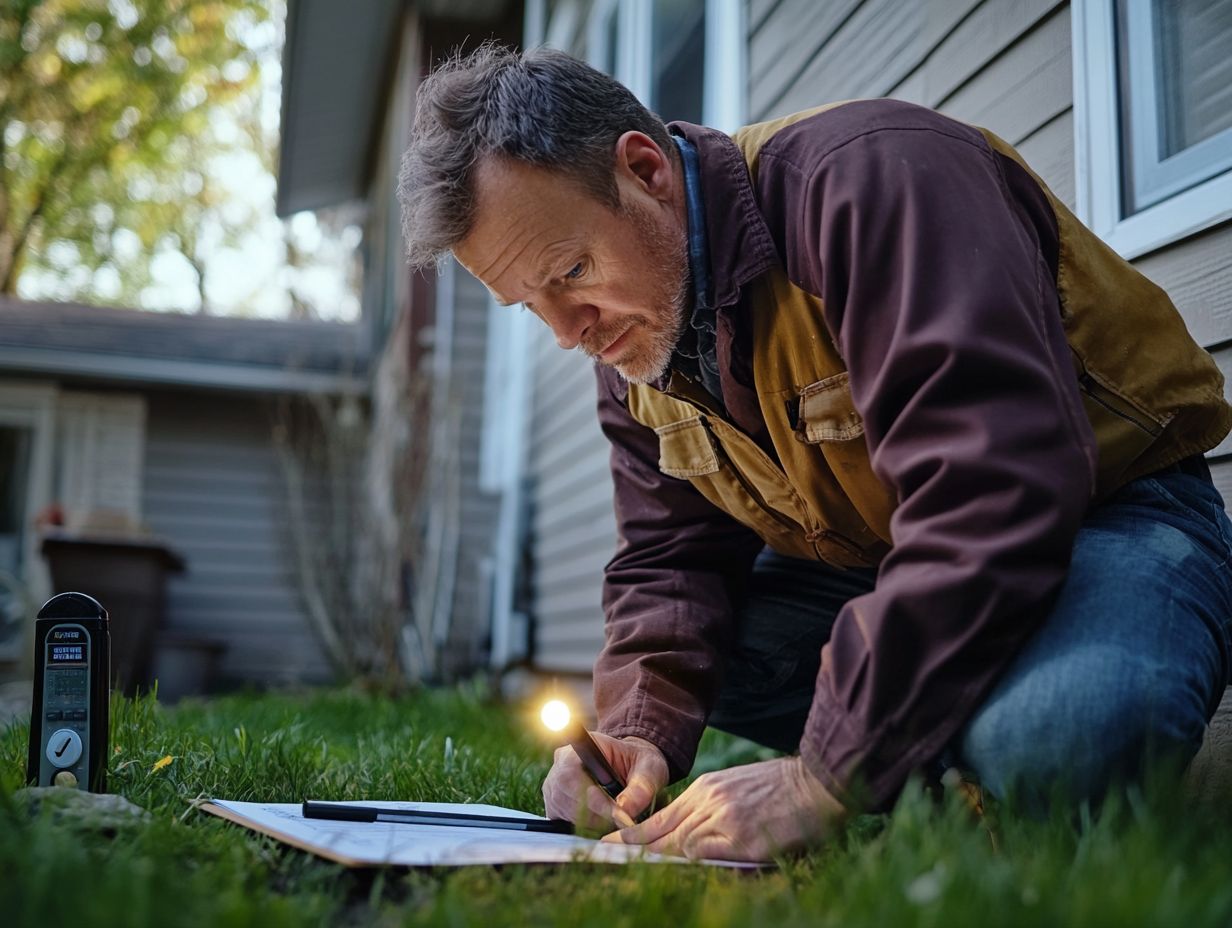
[108, 125]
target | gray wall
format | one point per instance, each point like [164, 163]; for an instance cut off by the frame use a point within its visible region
[213, 490]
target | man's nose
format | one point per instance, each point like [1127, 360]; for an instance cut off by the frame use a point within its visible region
[568, 321]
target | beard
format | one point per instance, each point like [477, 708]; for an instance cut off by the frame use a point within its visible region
[653, 335]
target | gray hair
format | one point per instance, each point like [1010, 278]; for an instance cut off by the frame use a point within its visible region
[541, 107]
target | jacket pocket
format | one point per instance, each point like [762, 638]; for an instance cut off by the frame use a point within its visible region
[1116, 405]
[1123, 429]
[686, 449]
[826, 412]
[824, 415]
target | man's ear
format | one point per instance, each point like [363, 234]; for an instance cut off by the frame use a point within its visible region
[641, 161]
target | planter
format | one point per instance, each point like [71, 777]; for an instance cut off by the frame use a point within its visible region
[128, 575]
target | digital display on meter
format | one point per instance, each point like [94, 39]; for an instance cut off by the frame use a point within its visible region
[66, 653]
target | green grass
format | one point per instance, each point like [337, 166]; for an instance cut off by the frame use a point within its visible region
[1138, 861]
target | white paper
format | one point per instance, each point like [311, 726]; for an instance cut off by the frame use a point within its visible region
[399, 844]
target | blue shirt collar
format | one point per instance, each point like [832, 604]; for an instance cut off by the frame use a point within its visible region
[699, 257]
[696, 353]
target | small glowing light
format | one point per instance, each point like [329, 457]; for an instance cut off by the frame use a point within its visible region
[555, 715]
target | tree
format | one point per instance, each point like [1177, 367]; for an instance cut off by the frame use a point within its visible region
[108, 121]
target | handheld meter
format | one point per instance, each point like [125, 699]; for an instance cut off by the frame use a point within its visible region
[70, 711]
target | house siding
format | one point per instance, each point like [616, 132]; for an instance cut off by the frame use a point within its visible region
[572, 524]
[213, 490]
[1197, 274]
[477, 510]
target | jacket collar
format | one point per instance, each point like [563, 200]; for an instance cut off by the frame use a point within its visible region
[739, 241]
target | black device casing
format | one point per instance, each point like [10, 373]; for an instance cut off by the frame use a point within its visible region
[69, 610]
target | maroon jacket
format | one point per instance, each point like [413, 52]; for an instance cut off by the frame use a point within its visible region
[913, 267]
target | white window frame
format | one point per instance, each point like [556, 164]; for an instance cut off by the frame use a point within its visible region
[598, 22]
[1097, 150]
[725, 98]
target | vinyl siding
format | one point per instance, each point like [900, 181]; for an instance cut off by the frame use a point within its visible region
[213, 491]
[572, 525]
[1197, 274]
[469, 618]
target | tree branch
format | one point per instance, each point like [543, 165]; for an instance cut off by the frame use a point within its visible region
[10, 262]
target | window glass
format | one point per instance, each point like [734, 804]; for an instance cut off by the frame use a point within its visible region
[14, 468]
[678, 36]
[1175, 92]
[1194, 39]
[611, 39]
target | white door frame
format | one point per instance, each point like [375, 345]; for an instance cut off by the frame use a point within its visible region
[32, 404]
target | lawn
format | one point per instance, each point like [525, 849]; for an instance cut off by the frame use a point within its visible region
[1150, 861]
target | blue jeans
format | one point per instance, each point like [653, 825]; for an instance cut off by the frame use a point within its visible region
[1130, 663]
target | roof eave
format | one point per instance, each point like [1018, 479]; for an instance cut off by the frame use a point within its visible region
[332, 48]
[232, 378]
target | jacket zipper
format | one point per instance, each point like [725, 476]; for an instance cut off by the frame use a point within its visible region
[848, 545]
[1114, 404]
[791, 525]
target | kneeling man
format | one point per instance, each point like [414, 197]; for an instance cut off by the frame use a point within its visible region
[908, 464]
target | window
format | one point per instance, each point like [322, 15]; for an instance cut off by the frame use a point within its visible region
[1177, 113]
[683, 58]
[1153, 118]
[677, 57]
[100, 451]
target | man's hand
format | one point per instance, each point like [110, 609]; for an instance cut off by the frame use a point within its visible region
[570, 793]
[750, 813]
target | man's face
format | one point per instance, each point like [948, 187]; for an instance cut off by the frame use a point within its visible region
[611, 282]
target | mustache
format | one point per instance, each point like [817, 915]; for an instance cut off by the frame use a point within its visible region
[595, 342]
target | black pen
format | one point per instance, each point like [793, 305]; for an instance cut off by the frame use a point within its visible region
[342, 812]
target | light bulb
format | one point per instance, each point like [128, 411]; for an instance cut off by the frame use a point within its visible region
[555, 715]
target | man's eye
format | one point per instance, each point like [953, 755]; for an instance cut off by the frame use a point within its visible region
[574, 272]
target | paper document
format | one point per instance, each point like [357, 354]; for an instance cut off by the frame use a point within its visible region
[363, 844]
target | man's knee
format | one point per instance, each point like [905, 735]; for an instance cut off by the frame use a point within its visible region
[1075, 745]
